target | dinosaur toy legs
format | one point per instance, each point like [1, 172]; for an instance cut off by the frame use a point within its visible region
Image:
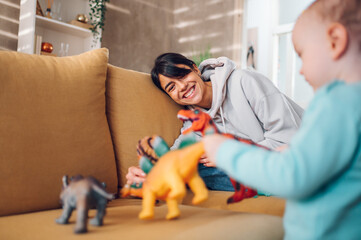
[196, 185]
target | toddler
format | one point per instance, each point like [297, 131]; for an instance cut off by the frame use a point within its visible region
[320, 173]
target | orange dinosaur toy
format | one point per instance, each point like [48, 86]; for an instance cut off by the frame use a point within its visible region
[167, 179]
[202, 122]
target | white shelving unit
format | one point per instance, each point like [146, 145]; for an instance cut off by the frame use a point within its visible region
[55, 30]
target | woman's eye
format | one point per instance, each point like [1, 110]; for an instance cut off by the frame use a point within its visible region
[170, 88]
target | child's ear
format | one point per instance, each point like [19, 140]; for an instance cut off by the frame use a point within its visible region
[338, 40]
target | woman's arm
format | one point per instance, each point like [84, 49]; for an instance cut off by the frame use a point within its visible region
[279, 119]
[279, 116]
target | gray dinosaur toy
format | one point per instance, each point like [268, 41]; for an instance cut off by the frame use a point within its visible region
[82, 194]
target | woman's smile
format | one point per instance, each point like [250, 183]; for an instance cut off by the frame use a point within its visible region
[189, 93]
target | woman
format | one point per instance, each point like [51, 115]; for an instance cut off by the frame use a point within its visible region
[241, 102]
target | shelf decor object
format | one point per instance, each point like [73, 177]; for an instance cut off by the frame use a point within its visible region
[97, 17]
[39, 11]
[48, 9]
[46, 47]
[82, 18]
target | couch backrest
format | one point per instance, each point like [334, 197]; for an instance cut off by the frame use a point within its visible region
[52, 123]
[135, 109]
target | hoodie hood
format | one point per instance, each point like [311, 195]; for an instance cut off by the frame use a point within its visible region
[217, 70]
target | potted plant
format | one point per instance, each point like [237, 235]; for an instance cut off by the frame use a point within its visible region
[97, 17]
[203, 55]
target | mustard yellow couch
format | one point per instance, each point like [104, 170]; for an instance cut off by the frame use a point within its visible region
[80, 115]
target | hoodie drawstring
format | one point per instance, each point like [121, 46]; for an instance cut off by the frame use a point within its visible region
[224, 125]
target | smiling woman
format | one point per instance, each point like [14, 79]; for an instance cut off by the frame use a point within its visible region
[241, 102]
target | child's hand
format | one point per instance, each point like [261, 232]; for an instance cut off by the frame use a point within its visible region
[204, 160]
[211, 145]
[135, 175]
[281, 148]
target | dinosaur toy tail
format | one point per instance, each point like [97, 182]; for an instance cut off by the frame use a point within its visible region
[241, 192]
[103, 193]
[131, 191]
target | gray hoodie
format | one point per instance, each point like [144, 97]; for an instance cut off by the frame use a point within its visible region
[247, 104]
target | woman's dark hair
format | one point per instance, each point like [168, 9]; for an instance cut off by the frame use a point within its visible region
[165, 65]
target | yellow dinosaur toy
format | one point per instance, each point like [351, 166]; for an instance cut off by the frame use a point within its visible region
[167, 179]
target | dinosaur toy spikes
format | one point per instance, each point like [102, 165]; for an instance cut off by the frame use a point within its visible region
[202, 122]
[149, 149]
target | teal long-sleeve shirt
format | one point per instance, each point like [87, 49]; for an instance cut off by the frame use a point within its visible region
[319, 174]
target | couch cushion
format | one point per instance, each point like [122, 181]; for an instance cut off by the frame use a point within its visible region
[52, 122]
[135, 109]
[121, 222]
[260, 204]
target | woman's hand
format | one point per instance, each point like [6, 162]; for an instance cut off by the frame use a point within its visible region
[204, 160]
[211, 145]
[135, 175]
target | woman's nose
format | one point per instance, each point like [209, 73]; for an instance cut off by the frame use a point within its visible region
[182, 85]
